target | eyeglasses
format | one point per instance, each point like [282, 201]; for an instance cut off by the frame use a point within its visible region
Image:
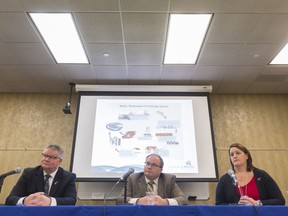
[153, 165]
[49, 156]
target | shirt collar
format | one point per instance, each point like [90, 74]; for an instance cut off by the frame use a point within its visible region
[51, 174]
[155, 180]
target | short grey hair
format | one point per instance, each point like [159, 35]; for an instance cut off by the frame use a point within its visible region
[57, 148]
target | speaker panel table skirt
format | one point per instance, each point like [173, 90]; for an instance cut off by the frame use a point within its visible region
[138, 210]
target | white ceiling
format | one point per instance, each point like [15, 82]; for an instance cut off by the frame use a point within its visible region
[243, 37]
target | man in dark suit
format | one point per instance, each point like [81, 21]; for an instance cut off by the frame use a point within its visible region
[58, 189]
[164, 185]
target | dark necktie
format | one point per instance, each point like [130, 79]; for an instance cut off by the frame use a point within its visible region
[46, 184]
[150, 186]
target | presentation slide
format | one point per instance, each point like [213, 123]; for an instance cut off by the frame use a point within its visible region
[132, 128]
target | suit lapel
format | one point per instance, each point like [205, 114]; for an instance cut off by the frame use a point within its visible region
[161, 186]
[142, 185]
[39, 179]
[55, 183]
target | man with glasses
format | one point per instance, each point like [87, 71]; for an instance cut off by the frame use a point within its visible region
[45, 185]
[163, 185]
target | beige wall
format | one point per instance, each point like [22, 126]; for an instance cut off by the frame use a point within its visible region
[29, 122]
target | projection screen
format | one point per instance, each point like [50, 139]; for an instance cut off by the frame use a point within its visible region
[116, 130]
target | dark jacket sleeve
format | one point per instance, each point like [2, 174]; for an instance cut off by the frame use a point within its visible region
[269, 191]
[65, 193]
[21, 189]
[226, 192]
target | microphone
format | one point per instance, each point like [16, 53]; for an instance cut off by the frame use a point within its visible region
[235, 181]
[124, 177]
[127, 174]
[232, 175]
[109, 192]
[17, 170]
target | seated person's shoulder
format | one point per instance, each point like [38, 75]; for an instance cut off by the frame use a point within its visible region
[168, 175]
[31, 169]
[66, 173]
[136, 175]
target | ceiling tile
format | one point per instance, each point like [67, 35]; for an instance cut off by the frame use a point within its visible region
[14, 73]
[30, 53]
[144, 5]
[210, 55]
[111, 73]
[92, 5]
[144, 27]
[42, 73]
[213, 73]
[232, 28]
[271, 29]
[10, 5]
[275, 69]
[256, 54]
[242, 74]
[6, 56]
[4, 87]
[46, 5]
[146, 73]
[15, 27]
[115, 51]
[73, 73]
[99, 27]
[144, 54]
[183, 73]
[23, 86]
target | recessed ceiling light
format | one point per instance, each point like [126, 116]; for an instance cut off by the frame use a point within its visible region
[61, 36]
[282, 57]
[186, 34]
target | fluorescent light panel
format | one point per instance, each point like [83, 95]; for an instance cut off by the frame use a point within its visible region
[61, 36]
[186, 34]
[282, 57]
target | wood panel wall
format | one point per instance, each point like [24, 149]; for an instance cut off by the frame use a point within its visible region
[30, 122]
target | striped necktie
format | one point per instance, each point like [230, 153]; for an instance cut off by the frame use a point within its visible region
[46, 184]
[150, 187]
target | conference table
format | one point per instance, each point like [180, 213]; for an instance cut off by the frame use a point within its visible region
[140, 210]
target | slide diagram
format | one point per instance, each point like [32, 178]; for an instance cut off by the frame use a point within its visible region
[126, 131]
